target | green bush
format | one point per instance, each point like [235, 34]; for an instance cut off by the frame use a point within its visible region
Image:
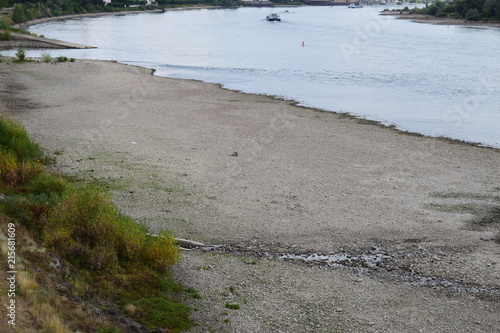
[13, 137]
[14, 172]
[81, 227]
[88, 229]
[21, 54]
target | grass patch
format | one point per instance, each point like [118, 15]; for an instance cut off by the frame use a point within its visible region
[159, 312]
[232, 306]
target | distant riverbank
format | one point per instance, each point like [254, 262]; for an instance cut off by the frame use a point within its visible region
[72, 16]
[420, 18]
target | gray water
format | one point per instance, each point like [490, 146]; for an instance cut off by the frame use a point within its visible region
[429, 79]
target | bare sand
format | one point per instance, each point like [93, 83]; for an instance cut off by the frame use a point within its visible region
[262, 177]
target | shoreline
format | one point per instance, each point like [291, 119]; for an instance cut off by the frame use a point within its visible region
[421, 18]
[120, 13]
[302, 182]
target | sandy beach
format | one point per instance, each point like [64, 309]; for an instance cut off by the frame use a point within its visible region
[255, 177]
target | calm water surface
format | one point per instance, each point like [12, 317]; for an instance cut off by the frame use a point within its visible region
[434, 80]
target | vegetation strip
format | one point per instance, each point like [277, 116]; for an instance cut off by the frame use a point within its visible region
[110, 256]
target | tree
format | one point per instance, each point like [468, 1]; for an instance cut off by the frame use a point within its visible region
[18, 15]
[473, 15]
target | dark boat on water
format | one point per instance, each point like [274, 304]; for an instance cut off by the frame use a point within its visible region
[273, 17]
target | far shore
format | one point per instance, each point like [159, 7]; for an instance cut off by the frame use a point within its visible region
[120, 13]
[420, 18]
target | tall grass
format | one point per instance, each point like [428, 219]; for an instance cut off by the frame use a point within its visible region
[14, 139]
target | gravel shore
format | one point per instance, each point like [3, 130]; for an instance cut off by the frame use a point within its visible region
[410, 222]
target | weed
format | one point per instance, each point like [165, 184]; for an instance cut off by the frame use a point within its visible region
[160, 252]
[232, 289]
[232, 306]
[15, 172]
[130, 309]
[62, 59]
[54, 324]
[46, 57]
[26, 283]
[5, 35]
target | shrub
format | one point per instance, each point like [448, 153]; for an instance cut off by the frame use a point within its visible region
[160, 252]
[441, 13]
[5, 35]
[21, 54]
[87, 228]
[131, 238]
[473, 15]
[47, 183]
[14, 172]
[81, 227]
[62, 59]
[46, 57]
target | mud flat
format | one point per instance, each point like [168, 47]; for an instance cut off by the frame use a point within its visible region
[311, 221]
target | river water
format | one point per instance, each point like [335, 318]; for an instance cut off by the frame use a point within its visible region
[429, 79]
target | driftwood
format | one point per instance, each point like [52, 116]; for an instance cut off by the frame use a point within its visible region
[183, 242]
[187, 242]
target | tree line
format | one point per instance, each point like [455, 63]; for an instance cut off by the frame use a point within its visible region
[470, 10]
[27, 10]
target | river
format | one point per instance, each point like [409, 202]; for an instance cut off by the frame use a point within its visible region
[429, 79]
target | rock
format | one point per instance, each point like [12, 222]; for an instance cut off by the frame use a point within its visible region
[56, 264]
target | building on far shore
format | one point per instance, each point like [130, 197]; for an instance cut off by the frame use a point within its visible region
[257, 3]
[328, 3]
[148, 2]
